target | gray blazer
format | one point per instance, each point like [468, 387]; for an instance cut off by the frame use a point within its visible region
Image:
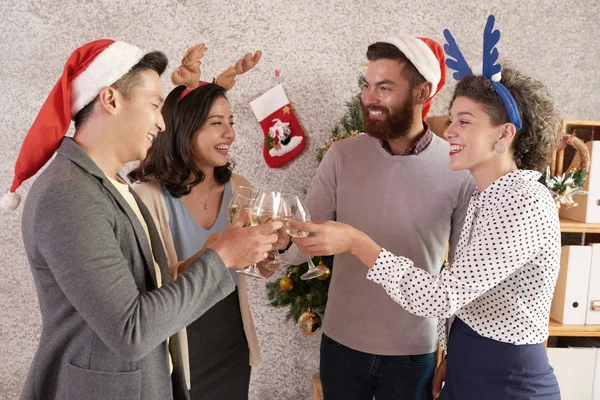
[104, 322]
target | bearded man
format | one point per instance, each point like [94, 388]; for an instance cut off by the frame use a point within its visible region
[393, 184]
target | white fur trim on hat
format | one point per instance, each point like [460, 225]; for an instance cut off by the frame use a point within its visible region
[107, 68]
[10, 201]
[421, 56]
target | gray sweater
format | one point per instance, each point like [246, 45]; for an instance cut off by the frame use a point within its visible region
[412, 205]
[105, 324]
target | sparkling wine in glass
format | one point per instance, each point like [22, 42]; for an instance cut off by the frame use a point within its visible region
[242, 201]
[267, 208]
[294, 209]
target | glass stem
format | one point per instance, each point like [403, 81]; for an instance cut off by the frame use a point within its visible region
[276, 257]
[311, 264]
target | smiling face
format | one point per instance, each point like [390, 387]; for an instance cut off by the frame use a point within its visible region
[210, 144]
[140, 118]
[388, 106]
[472, 136]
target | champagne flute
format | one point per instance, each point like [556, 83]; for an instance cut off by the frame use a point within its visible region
[266, 209]
[294, 209]
[242, 201]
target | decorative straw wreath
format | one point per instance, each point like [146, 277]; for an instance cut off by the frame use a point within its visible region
[563, 187]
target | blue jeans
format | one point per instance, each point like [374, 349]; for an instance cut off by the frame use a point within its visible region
[348, 374]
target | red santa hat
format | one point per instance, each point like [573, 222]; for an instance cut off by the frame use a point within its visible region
[427, 56]
[90, 68]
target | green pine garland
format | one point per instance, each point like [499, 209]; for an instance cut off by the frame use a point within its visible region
[353, 120]
[352, 123]
[579, 177]
[305, 294]
[563, 187]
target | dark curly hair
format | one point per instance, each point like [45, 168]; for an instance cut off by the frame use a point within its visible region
[534, 143]
[170, 161]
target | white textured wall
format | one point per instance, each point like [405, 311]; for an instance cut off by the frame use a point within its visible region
[318, 45]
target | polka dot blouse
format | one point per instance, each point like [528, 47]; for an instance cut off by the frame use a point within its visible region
[505, 268]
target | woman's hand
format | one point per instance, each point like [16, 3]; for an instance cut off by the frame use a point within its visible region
[329, 238]
[440, 377]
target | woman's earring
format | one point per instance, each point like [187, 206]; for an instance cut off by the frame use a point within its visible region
[500, 148]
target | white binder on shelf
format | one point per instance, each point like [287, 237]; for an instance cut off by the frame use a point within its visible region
[593, 304]
[566, 362]
[569, 303]
[596, 384]
[588, 210]
[575, 370]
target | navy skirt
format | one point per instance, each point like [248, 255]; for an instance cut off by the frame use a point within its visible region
[480, 368]
[219, 355]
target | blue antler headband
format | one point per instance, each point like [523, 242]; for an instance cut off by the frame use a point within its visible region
[491, 69]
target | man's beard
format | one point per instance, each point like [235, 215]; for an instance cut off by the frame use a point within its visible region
[397, 124]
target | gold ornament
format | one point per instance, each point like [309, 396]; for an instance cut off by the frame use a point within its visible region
[309, 322]
[327, 273]
[286, 284]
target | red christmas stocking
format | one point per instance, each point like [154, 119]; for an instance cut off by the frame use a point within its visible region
[284, 138]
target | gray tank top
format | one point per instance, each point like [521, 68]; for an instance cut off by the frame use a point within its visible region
[188, 235]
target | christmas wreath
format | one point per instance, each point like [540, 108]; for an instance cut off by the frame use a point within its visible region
[564, 186]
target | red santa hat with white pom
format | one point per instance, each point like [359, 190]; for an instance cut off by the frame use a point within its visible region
[89, 68]
[427, 56]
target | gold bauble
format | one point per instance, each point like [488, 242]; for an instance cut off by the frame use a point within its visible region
[327, 273]
[309, 322]
[286, 284]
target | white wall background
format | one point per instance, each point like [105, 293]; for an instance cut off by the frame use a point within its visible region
[318, 45]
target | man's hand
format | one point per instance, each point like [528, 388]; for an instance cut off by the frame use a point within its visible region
[210, 240]
[183, 265]
[266, 268]
[329, 237]
[440, 377]
[239, 246]
[283, 240]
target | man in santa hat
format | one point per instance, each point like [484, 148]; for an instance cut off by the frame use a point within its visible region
[393, 184]
[110, 310]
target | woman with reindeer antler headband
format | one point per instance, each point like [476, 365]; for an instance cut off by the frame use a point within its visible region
[493, 301]
[186, 181]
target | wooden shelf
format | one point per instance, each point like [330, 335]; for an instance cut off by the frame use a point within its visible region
[567, 122]
[570, 226]
[557, 329]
